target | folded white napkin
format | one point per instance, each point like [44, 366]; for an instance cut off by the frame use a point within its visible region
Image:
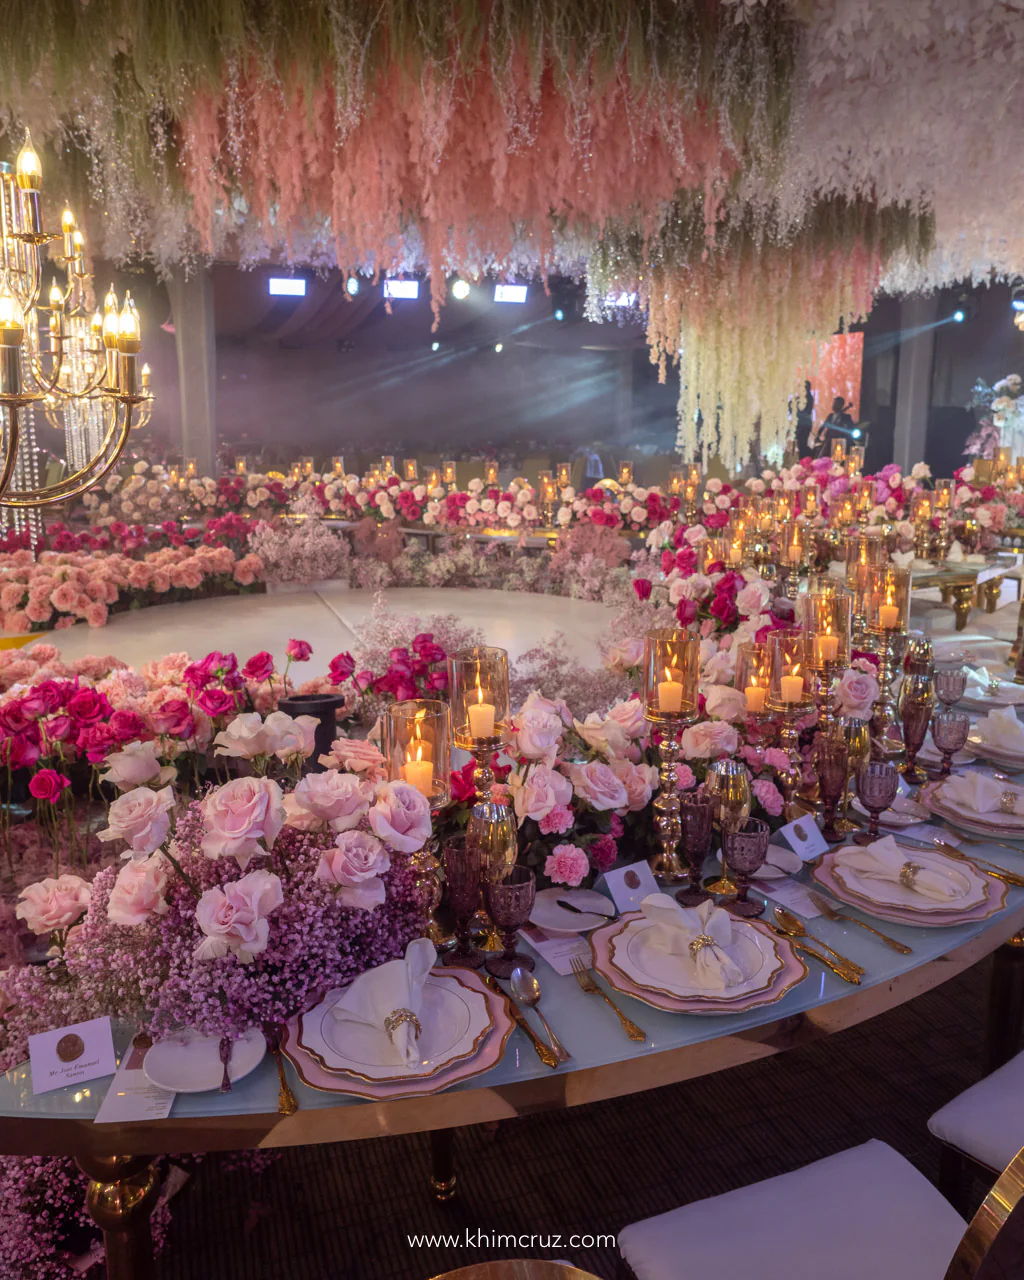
[982, 795]
[955, 553]
[1002, 729]
[980, 680]
[383, 996]
[885, 860]
[902, 558]
[676, 928]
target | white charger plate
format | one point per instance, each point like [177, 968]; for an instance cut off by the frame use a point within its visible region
[552, 918]
[675, 975]
[780, 863]
[190, 1063]
[453, 1017]
[888, 893]
[904, 812]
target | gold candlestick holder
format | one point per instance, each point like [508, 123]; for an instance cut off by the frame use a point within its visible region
[670, 696]
[888, 645]
[790, 699]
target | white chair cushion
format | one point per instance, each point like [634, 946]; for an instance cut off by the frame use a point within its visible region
[864, 1214]
[987, 1120]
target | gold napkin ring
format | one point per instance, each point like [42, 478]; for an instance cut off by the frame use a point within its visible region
[395, 1019]
[1008, 802]
[699, 943]
[908, 874]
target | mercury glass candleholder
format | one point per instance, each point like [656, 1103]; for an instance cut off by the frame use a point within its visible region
[670, 694]
[825, 616]
[888, 612]
[417, 749]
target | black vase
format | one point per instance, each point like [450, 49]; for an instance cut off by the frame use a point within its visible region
[323, 706]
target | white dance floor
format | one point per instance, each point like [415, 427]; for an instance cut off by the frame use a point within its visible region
[332, 619]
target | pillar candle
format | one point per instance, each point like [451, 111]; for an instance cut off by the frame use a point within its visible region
[888, 615]
[420, 774]
[828, 648]
[792, 688]
[755, 698]
[670, 695]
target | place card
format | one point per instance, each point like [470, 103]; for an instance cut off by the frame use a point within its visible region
[131, 1096]
[927, 832]
[71, 1055]
[630, 885]
[788, 893]
[558, 950]
[804, 837]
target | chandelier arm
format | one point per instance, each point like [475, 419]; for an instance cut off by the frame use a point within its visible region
[89, 393]
[92, 473]
[12, 437]
[49, 387]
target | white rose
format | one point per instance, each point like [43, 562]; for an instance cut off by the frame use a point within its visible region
[487, 505]
[713, 486]
[504, 509]
[725, 703]
[419, 492]
[564, 516]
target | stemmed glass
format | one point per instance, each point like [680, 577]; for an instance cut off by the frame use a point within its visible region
[509, 903]
[915, 711]
[831, 761]
[463, 862]
[858, 744]
[950, 679]
[877, 785]
[744, 850]
[949, 733]
[697, 814]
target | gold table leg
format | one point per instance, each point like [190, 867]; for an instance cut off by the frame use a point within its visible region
[1015, 648]
[442, 1164]
[990, 592]
[963, 599]
[122, 1193]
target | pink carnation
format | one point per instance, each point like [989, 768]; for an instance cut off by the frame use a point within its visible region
[768, 795]
[567, 864]
[557, 821]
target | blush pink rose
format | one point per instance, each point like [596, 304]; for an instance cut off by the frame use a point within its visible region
[289, 737]
[135, 765]
[54, 904]
[855, 694]
[239, 815]
[639, 781]
[710, 738]
[630, 715]
[244, 738]
[341, 799]
[597, 785]
[356, 865]
[138, 892]
[536, 735]
[234, 918]
[566, 864]
[401, 817]
[543, 790]
[142, 818]
[297, 818]
[358, 755]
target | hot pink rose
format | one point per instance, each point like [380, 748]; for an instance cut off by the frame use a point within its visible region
[175, 719]
[138, 892]
[54, 904]
[543, 790]
[341, 799]
[356, 866]
[341, 668]
[234, 918]
[239, 815]
[141, 818]
[566, 864]
[298, 650]
[48, 785]
[597, 785]
[604, 853]
[260, 667]
[401, 817]
[216, 702]
[88, 707]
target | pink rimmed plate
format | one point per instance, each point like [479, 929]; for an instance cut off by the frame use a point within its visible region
[791, 971]
[488, 1055]
[1005, 825]
[995, 901]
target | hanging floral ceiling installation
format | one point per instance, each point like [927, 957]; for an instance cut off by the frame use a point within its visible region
[754, 170]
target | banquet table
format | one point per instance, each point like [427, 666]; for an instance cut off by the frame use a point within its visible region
[605, 1064]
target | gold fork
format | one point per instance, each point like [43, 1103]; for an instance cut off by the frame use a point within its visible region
[586, 980]
[992, 869]
[830, 913]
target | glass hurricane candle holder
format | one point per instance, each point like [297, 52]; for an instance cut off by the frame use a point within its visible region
[826, 618]
[855, 461]
[478, 693]
[877, 785]
[949, 733]
[411, 469]
[491, 473]
[839, 452]
[752, 675]
[670, 696]
[743, 852]
[417, 738]
[697, 816]
[788, 689]
[676, 482]
[888, 612]
[625, 473]
[712, 555]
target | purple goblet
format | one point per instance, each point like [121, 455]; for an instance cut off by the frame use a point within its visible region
[831, 759]
[949, 733]
[462, 863]
[915, 712]
[877, 785]
[509, 903]
[697, 816]
[744, 851]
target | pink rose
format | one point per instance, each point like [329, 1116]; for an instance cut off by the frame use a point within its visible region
[726, 703]
[289, 737]
[341, 667]
[138, 892]
[710, 738]
[341, 799]
[260, 667]
[239, 815]
[630, 715]
[135, 765]
[543, 790]
[401, 817]
[557, 822]
[54, 904]
[141, 818]
[536, 735]
[298, 650]
[88, 707]
[639, 781]
[244, 738]
[597, 785]
[235, 918]
[216, 702]
[855, 694]
[48, 785]
[358, 755]
[175, 719]
[356, 866]
[566, 864]
[297, 818]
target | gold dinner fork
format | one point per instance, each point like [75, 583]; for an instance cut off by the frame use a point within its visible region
[587, 984]
[830, 913]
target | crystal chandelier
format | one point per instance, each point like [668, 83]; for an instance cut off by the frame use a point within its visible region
[79, 368]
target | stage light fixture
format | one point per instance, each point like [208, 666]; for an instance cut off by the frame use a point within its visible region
[510, 292]
[1018, 304]
[352, 285]
[407, 289]
[958, 316]
[559, 314]
[499, 347]
[286, 287]
[856, 433]
[460, 290]
[435, 346]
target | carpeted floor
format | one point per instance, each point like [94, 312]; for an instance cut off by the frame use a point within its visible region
[346, 1211]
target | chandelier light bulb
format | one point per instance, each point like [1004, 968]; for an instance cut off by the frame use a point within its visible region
[96, 325]
[27, 168]
[110, 301]
[56, 297]
[110, 326]
[129, 332]
[78, 239]
[67, 221]
[11, 318]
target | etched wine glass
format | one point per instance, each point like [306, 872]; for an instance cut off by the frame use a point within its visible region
[744, 851]
[697, 815]
[877, 785]
[949, 733]
[950, 679]
[915, 712]
[509, 903]
[463, 864]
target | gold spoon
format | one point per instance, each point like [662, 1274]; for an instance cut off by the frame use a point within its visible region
[788, 923]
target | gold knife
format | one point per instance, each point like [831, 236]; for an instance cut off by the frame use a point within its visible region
[544, 1052]
[839, 970]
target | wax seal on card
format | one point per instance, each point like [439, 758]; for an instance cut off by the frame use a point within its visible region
[70, 1048]
[631, 880]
